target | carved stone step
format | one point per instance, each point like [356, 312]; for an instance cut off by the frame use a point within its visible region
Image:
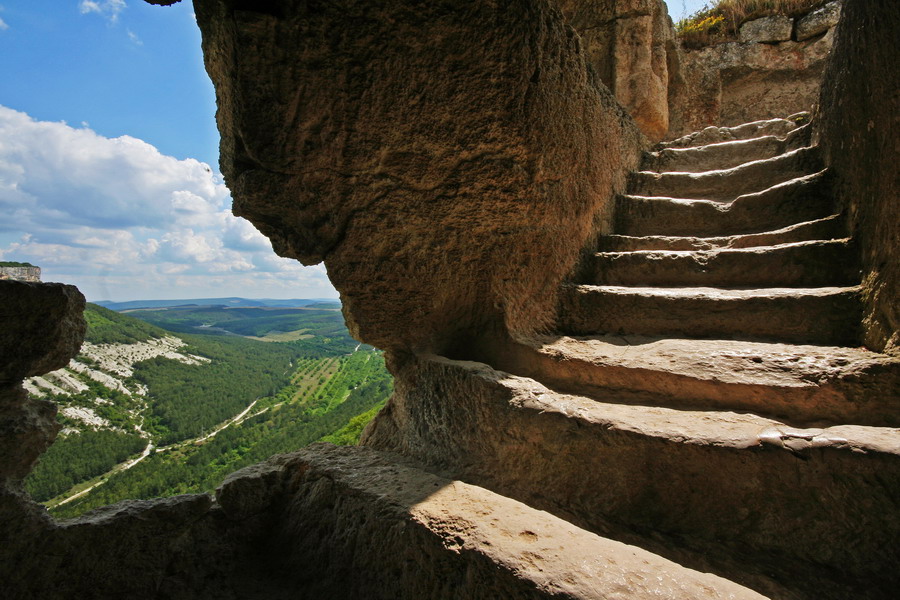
[705, 486]
[804, 385]
[801, 264]
[755, 129]
[828, 316]
[827, 228]
[724, 155]
[358, 523]
[727, 184]
[795, 201]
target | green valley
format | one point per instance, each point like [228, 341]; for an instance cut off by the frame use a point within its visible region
[148, 410]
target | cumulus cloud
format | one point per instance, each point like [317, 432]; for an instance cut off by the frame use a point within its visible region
[107, 8]
[120, 219]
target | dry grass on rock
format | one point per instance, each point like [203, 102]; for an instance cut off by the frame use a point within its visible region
[721, 20]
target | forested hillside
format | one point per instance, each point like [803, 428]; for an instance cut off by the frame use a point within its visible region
[148, 412]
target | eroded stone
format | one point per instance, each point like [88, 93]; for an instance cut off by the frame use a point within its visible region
[776, 28]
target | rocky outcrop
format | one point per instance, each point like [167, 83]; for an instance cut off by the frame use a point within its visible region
[859, 135]
[774, 69]
[32, 274]
[42, 329]
[737, 82]
[818, 21]
[777, 28]
[630, 44]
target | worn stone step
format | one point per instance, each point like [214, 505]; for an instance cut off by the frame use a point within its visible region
[795, 201]
[724, 155]
[357, 523]
[827, 228]
[801, 264]
[727, 184]
[755, 129]
[801, 384]
[783, 503]
[829, 315]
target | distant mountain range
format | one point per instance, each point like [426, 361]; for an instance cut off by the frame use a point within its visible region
[228, 302]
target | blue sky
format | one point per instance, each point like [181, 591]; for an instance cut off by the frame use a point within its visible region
[678, 9]
[109, 157]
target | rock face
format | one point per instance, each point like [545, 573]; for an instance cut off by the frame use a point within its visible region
[737, 82]
[448, 185]
[48, 316]
[775, 69]
[32, 274]
[42, 329]
[630, 44]
[818, 21]
[777, 28]
[859, 137]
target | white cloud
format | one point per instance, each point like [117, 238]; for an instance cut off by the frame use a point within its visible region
[123, 221]
[134, 38]
[107, 8]
[3, 25]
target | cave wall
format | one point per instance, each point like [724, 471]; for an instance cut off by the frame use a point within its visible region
[628, 43]
[859, 133]
[671, 89]
[447, 160]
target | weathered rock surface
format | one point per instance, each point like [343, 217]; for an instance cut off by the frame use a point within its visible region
[800, 264]
[818, 21]
[43, 328]
[824, 315]
[727, 184]
[826, 228]
[776, 28]
[714, 134]
[724, 154]
[628, 43]
[859, 136]
[362, 524]
[702, 488]
[802, 384]
[794, 201]
[409, 158]
[737, 82]
[32, 274]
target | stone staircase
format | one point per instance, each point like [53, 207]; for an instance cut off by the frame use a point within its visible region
[705, 396]
[703, 424]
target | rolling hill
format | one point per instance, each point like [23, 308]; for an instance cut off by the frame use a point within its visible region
[149, 410]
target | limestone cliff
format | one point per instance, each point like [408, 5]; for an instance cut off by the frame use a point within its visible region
[17, 273]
